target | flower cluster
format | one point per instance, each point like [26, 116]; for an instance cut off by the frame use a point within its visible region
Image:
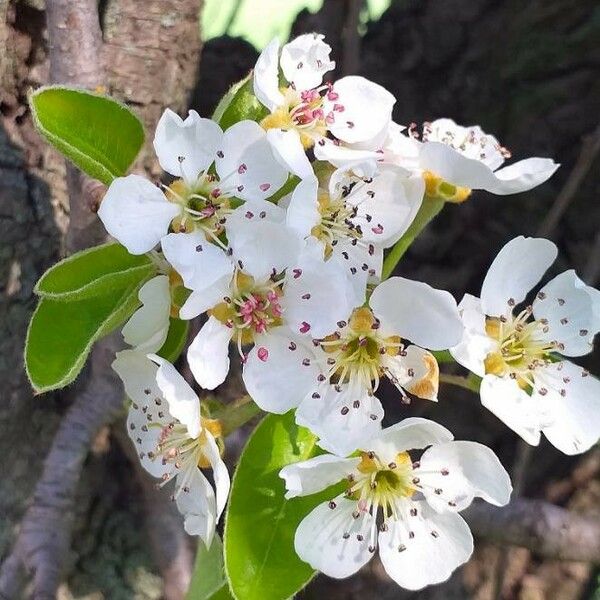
[275, 230]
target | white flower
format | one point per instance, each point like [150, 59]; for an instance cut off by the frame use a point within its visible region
[405, 505]
[526, 383]
[173, 440]
[303, 112]
[138, 214]
[332, 379]
[264, 284]
[454, 160]
[353, 219]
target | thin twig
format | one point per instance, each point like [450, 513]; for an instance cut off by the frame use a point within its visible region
[589, 150]
[547, 530]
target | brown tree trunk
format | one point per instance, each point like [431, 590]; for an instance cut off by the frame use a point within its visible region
[151, 58]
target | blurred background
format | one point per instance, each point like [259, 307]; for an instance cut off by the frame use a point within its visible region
[528, 72]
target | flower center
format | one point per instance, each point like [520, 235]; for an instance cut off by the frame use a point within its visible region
[252, 309]
[357, 348]
[336, 222]
[205, 205]
[522, 346]
[176, 447]
[304, 112]
[436, 187]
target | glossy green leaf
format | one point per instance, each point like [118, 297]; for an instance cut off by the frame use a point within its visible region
[429, 209]
[176, 339]
[260, 524]
[98, 134]
[93, 271]
[61, 334]
[208, 579]
[243, 104]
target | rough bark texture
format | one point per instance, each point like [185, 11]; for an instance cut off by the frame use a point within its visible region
[548, 530]
[33, 220]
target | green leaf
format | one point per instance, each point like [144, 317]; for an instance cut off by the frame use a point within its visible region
[98, 134]
[208, 579]
[242, 105]
[61, 334]
[93, 271]
[260, 560]
[176, 339]
[429, 209]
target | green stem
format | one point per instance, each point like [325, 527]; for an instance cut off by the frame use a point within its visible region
[471, 383]
[429, 209]
[233, 416]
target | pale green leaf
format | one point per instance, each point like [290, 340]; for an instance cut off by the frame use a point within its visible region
[260, 524]
[98, 134]
[93, 271]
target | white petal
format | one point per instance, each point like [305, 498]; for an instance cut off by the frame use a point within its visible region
[458, 169]
[199, 262]
[475, 344]
[417, 372]
[201, 300]
[303, 210]
[136, 213]
[518, 267]
[458, 471]
[344, 421]
[266, 76]
[307, 294]
[390, 204]
[422, 560]
[572, 420]
[362, 162]
[523, 175]
[362, 263]
[148, 327]
[260, 241]
[186, 148]
[197, 506]
[411, 433]
[208, 354]
[138, 375]
[288, 150]
[319, 539]
[414, 310]
[512, 405]
[316, 474]
[367, 109]
[567, 305]
[280, 371]
[246, 164]
[220, 473]
[183, 401]
[305, 60]
[387, 206]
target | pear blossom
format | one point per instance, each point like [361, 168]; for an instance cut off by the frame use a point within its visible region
[173, 440]
[454, 160]
[519, 350]
[398, 499]
[354, 219]
[138, 213]
[304, 110]
[264, 281]
[332, 379]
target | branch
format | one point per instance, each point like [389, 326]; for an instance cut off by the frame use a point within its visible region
[547, 530]
[589, 150]
[45, 535]
[75, 43]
